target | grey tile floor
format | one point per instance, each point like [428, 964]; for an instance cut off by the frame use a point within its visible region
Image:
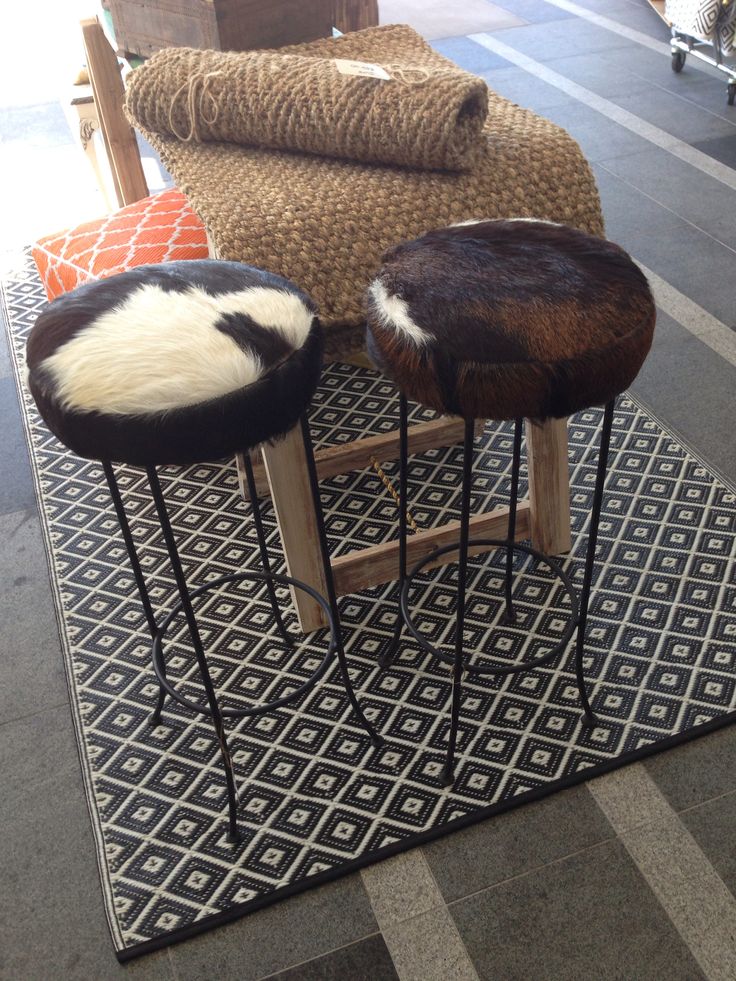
[632, 876]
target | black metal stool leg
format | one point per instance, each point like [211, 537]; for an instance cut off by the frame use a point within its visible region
[260, 534]
[447, 776]
[156, 716]
[198, 647]
[140, 581]
[387, 659]
[510, 616]
[589, 717]
[330, 583]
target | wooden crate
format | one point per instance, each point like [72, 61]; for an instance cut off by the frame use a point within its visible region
[144, 26]
[354, 15]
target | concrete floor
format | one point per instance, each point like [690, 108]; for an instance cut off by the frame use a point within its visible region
[631, 876]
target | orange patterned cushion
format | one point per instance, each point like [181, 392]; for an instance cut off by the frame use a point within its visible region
[157, 229]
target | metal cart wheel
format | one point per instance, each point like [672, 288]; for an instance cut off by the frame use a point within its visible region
[678, 59]
[731, 93]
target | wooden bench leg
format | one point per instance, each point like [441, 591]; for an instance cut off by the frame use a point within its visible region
[286, 468]
[549, 486]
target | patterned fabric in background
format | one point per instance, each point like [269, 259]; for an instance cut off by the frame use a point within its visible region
[709, 20]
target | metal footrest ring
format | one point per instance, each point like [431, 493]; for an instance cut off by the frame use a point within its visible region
[550, 655]
[159, 665]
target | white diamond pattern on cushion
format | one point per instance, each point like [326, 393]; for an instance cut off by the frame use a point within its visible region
[160, 228]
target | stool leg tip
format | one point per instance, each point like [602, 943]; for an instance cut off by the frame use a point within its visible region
[288, 639]
[389, 656]
[509, 617]
[233, 837]
[156, 714]
[447, 777]
[589, 720]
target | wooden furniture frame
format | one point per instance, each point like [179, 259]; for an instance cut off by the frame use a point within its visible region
[121, 145]
[84, 121]
[544, 517]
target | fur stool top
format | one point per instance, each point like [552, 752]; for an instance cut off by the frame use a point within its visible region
[504, 319]
[175, 363]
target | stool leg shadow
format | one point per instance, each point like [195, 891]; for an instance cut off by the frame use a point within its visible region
[447, 776]
[376, 739]
[214, 709]
[589, 717]
[140, 581]
[387, 658]
[263, 549]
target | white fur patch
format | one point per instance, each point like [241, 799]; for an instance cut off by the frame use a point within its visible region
[480, 221]
[538, 221]
[161, 350]
[393, 312]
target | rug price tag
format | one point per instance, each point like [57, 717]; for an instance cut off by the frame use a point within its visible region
[362, 68]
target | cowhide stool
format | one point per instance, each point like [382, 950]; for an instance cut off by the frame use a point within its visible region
[179, 364]
[506, 320]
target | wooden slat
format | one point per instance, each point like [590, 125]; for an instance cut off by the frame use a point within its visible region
[356, 455]
[380, 563]
[109, 93]
[549, 485]
[354, 15]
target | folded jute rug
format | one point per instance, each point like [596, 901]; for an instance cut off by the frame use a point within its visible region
[325, 222]
[315, 801]
[429, 117]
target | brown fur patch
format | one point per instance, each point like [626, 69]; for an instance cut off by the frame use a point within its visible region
[521, 319]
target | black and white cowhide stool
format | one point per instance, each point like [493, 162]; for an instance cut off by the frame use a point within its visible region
[183, 363]
[506, 320]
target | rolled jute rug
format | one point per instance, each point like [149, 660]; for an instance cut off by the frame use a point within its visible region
[414, 116]
[324, 222]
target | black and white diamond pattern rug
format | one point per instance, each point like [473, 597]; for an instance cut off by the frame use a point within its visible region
[315, 800]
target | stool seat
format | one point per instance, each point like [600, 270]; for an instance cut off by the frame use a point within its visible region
[504, 319]
[176, 363]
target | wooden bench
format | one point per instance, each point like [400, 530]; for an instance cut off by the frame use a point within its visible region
[544, 517]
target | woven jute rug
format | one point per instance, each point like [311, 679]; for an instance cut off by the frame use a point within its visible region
[315, 801]
[324, 222]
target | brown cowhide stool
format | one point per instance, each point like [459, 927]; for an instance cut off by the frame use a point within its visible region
[506, 320]
[183, 363]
